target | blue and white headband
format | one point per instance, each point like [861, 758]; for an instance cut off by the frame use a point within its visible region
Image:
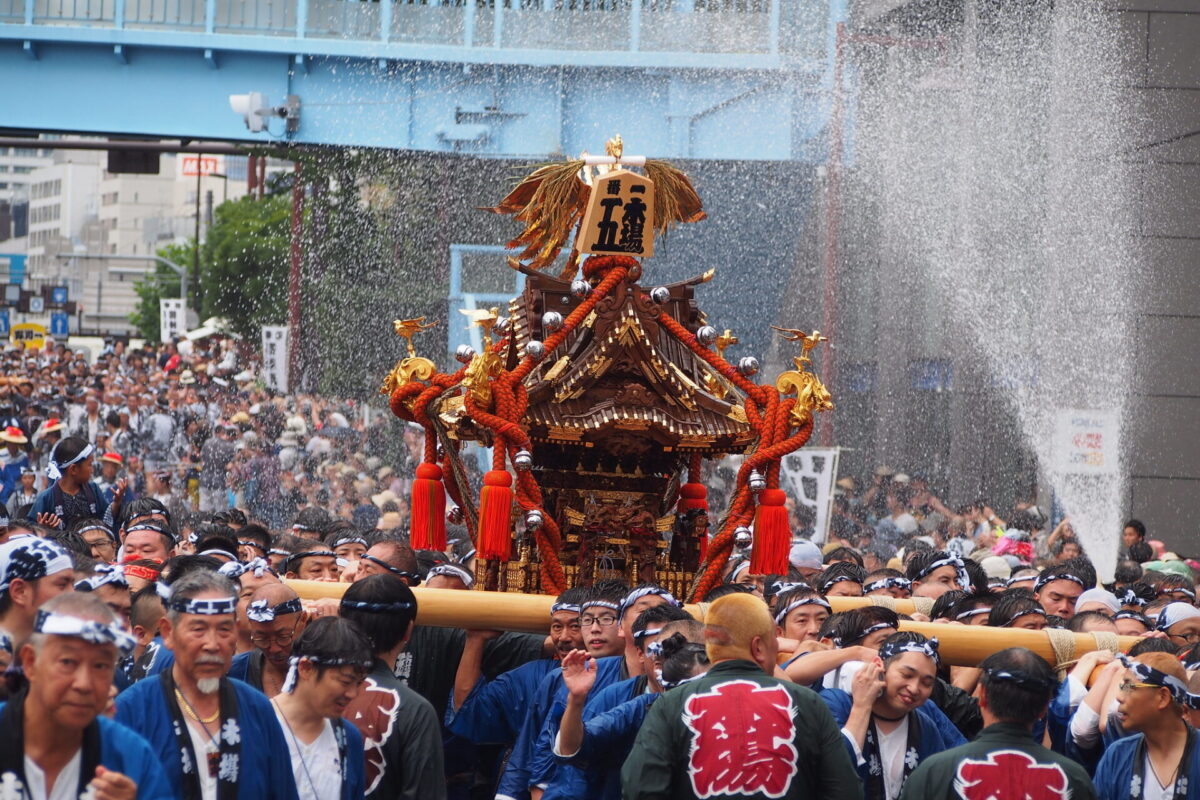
[741, 567]
[642, 634]
[601, 603]
[378, 608]
[973, 612]
[1131, 598]
[893, 582]
[929, 647]
[293, 673]
[867, 631]
[836, 579]
[236, 569]
[1044, 579]
[30, 558]
[452, 571]
[645, 591]
[780, 587]
[570, 608]
[814, 600]
[1174, 613]
[104, 575]
[208, 607]
[53, 624]
[964, 578]
[1147, 674]
[54, 470]
[104, 528]
[1180, 589]
[263, 611]
[348, 540]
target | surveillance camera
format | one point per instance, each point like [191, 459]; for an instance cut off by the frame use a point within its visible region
[253, 108]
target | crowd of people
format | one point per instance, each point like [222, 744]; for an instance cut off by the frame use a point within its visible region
[153, 646]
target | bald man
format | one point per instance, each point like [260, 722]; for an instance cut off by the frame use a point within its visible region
[738, 731]
[275, 619]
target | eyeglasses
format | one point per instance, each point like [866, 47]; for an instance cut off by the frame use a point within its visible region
[604, 621]
[1190, 638]
[1127, 685]
[283, 638]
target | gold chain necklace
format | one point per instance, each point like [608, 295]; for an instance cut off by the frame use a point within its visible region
[191, 712]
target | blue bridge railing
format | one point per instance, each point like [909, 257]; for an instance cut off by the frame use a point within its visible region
[742, 27]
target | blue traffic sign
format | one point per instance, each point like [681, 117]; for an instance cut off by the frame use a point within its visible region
[4, 323]
[59, 324]
[58, 295]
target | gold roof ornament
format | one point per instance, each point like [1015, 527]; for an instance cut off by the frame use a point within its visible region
[486, 365]
[554, 199]
[811, 394]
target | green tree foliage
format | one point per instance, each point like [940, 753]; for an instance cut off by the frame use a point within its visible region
[244, 264]
[161, 282]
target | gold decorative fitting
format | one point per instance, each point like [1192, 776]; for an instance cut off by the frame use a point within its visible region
[724, 341]
[811, 394]
[413, 367]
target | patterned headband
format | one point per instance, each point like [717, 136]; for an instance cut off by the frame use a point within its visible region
[293, 673]
[295, 558]
[208, 607]
[741, 567]
[1022, 679]
[452, 571]
[867, 631]
[1136, 616]
[974, 612]
[30, 558]
[105, 574]
[1180, 589]
[780, 587]
[251, 543]
[814, 600]
[1023, 613]
[571, 608]
[893, 582]
[236, 569]
[1148, 674]
[645, 591]
[929, 647]
[964, 578]
[825, 585]
[1130, 598]
[104, 528]
[53, 624]
[349, 540]
[601, 603]
[642, 634]
[54, 470]
[1044, 579]
[263, 611]
[378, 608]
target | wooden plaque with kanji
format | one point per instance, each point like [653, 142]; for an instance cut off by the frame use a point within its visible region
[620, 216]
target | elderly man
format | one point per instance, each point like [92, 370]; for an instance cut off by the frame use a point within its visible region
[275, 619]
[216, 737]
[53, 740]
[32, 571]
[738, 730]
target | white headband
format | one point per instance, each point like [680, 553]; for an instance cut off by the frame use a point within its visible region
[89, 630]
[54, 469]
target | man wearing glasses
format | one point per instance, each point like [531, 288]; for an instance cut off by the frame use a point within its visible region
[1181, 623]
[274, 618]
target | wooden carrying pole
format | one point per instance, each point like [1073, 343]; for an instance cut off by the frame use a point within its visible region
[959, 645]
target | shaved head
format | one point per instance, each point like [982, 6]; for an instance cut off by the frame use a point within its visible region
[274, 593]
[733, 623]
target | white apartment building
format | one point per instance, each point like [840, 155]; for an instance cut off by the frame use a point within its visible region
[16, 166]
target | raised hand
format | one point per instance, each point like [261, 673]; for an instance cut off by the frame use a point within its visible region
[579, 672]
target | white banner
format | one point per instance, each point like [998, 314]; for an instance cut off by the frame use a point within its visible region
[170, 318]
[275, 357]
[808, 476]
[1086, 442]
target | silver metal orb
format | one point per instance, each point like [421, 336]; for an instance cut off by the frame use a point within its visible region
[455, 516]
[748, 366]
[535, 350]
[742, 537]
[660, 294]
[707, 335]
[464, 353]
[581, 288]
[534, 519]
[502, 325]
[552, 321]
[756, 482]
[523, 459]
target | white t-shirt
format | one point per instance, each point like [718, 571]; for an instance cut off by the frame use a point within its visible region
[317, 768]
[1153, 790]
[892, 748]
[202, 745]
[65, 785]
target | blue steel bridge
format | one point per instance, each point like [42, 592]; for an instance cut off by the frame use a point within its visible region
[703, 79]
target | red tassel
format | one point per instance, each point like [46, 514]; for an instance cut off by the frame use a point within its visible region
[772, 535]
[692, 495]
[495, 511]
[428, 530]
